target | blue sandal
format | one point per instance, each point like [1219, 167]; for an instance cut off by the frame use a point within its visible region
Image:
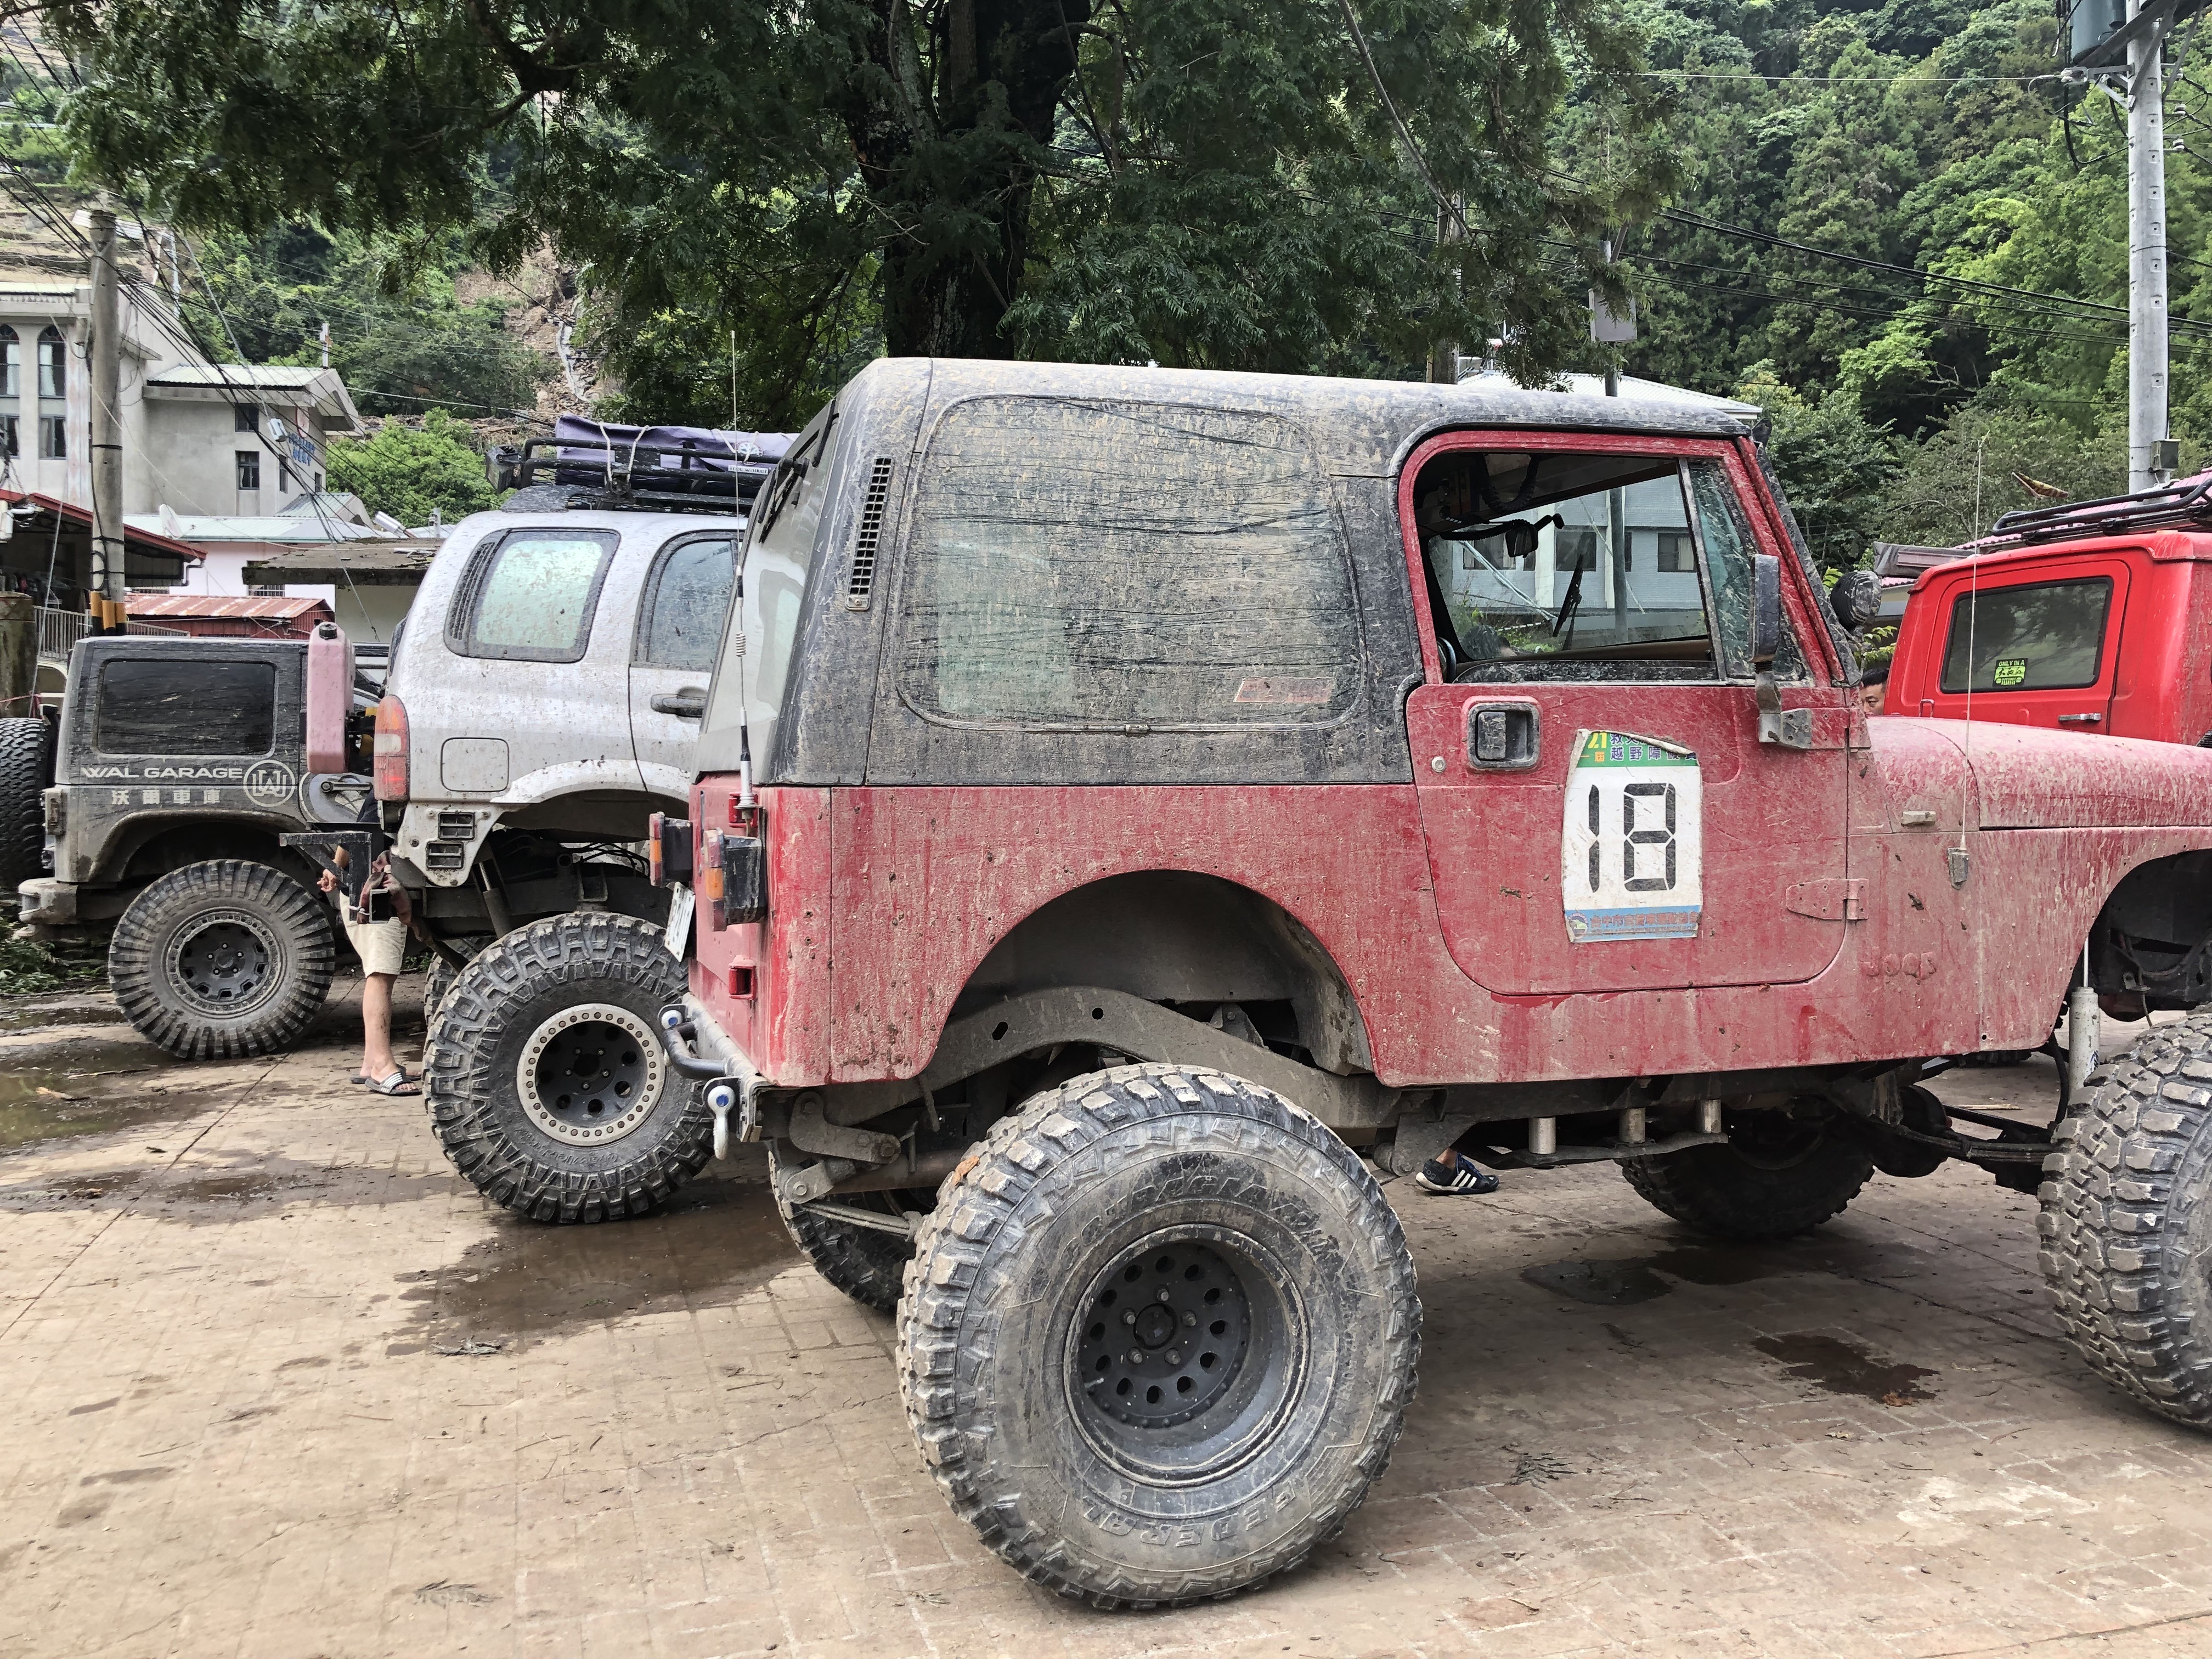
[1453, 1173]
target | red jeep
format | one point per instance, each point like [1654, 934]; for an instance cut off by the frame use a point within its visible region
[2091, 616]
[1137, 807]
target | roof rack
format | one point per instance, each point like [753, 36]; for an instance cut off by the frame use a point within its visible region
[2185, 505]
[687, 477]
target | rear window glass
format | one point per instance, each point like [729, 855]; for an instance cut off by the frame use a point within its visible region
[532, 595]
[2046, 636]
[1088, 565]
[185, 706]
[690, 594]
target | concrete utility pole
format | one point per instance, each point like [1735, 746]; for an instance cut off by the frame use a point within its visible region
[2147, 331]
[107, 543]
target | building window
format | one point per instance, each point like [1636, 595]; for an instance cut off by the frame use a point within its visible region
[1675, 551]
[248, 416]
[12, 363]
[11, 445]
[249, 469]
[53, 437]
[53, 356]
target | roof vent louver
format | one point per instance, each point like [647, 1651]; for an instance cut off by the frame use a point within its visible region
[862, 582]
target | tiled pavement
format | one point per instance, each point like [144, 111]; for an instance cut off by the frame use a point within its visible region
[241, 1306]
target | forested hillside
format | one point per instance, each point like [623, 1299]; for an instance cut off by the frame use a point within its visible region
[1931, 136]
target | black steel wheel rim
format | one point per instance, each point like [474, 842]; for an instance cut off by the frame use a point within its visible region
[590, 1074]
[225, 963]
[1165, 1337]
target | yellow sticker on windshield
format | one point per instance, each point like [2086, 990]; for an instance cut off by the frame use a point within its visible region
[2011, 670]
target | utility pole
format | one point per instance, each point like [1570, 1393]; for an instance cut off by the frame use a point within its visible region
[107, 540]
[2147, 331]
[2117, 45]
[1444, 355]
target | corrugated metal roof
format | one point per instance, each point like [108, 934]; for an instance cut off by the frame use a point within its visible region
[304, 528]
[155, 605]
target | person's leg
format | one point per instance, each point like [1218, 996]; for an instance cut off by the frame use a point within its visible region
[1453, 1172]
[377, 1062]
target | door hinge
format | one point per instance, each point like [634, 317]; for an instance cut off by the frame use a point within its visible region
[1828, 900]
[1790, 727]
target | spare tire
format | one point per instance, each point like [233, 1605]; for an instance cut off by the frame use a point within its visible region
[223, 958]
[26, 748]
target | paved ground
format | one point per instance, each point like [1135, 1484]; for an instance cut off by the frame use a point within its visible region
[280, 1385]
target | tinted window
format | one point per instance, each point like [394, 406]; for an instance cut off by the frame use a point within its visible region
[185, 706]
[1122, 564]
[533, 595]
[2044, 637]
[683, 613]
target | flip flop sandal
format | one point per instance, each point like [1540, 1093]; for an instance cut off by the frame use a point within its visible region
[396, 1084]
[360, 1078]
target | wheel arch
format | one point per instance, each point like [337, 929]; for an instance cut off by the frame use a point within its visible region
[1179, 936]
[2152, 934]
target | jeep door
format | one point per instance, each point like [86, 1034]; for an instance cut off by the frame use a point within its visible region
[1600, 811]
[679, 621]
[2033, 646]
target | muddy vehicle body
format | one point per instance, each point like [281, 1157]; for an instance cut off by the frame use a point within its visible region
[180, 766]
[1132, 804]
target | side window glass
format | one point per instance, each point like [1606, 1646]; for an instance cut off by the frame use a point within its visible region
[1088, 565]
[534, 594]
[1728, 550]
[185, 706]
[2046, 636]
[1559, 565]
[683, 612]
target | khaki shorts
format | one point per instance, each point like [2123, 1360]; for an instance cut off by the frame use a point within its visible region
[381, 945]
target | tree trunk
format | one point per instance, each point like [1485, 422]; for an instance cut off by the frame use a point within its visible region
[953, 166]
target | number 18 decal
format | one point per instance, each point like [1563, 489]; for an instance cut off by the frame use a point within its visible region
[1632, 846]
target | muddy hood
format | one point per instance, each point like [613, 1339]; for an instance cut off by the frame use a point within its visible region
[2029, 778]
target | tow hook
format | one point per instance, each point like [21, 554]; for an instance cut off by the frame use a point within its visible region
[722, 1097]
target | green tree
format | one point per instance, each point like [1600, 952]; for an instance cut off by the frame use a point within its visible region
[1254, 183]
[1834, 464]
[399, 335]
[414, 473]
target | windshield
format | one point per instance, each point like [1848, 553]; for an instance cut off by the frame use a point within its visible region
[762, 632]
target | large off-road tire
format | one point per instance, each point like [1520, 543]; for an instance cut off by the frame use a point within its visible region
[1246, 1259]
[26, 770]
[2127, 1221]
[223, 958]
[1779, 1174]
[866, 1263]
[547, 1082]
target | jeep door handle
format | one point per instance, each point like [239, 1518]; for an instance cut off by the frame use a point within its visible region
[688, 704]
[2081, 719]
[1503, 737]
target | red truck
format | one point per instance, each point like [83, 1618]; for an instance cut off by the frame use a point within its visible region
[1139, 810]
[2091, 616]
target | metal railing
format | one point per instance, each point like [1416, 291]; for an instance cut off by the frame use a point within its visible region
[59, 630]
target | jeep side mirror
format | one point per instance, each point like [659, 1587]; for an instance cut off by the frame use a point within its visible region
[1765, 608]
[1856, 597]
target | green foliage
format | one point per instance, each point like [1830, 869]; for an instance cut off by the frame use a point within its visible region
[1187, 181]
[409, 473]
[1834, 465]
[398, 334]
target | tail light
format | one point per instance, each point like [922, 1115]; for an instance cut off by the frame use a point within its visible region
[732, 876]
[390, 750]
[667, 849]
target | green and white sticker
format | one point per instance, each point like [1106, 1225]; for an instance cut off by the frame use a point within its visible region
[1632, 845]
